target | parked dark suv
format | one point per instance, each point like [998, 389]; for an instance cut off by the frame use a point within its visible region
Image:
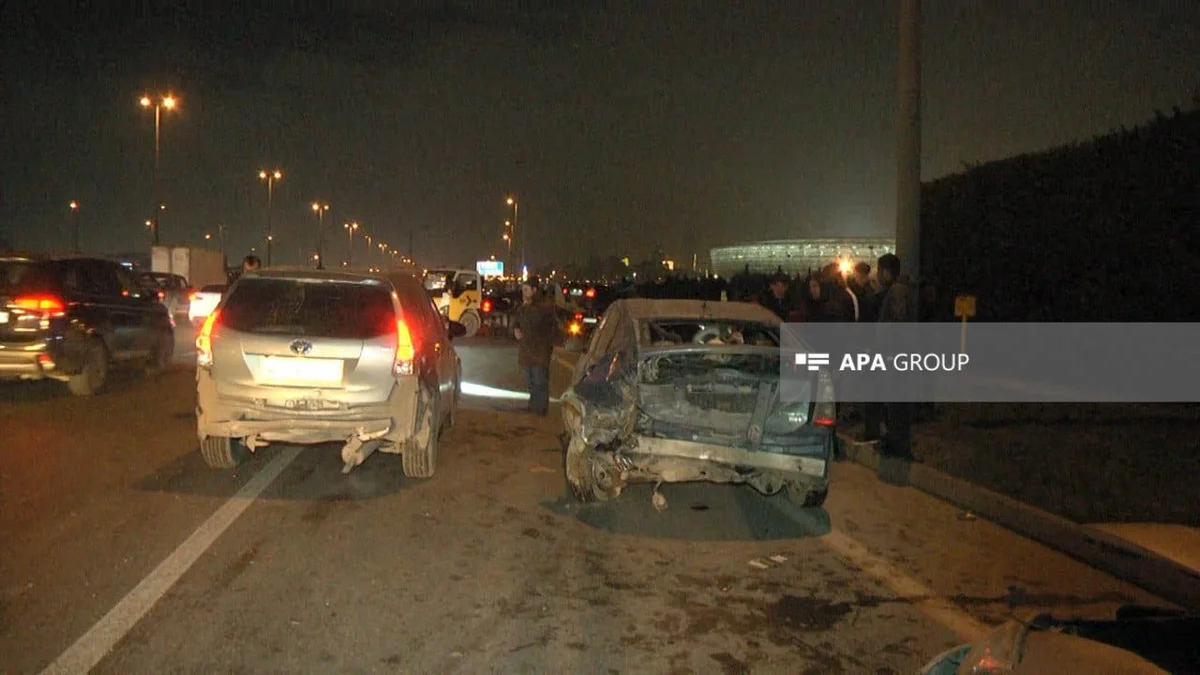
[73, 319]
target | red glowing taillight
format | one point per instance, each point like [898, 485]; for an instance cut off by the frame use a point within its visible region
[47, 304]
[162, 295]
[825, 408]
[192, 296]
[578, 317]
[590, 293]
[406, 351]
[487, 306]
[204, 355]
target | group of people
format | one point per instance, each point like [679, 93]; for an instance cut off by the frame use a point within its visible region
[830, 296]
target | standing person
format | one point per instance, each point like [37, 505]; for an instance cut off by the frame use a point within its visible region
[250, 263]
[777, 298]
[864, 289]
[535, 326]
[895, 306]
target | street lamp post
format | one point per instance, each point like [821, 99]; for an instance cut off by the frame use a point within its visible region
[270, 177]
[74, 205]
[351, 228]
[220, 242]
[320, 210]
[516, 207]
[168, 102]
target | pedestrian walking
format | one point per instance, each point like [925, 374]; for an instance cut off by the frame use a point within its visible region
[535, 327]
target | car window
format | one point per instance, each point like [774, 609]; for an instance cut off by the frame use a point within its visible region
[129, 285]
[98, 279]
[316, 308]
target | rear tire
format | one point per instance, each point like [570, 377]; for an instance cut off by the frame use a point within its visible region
[90, 380]
[419, 459]
[222, 453]
[580, 471]
[470, 321]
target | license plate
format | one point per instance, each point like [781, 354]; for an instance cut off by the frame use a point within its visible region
[589, 319]
[290, 370]
[3, 317]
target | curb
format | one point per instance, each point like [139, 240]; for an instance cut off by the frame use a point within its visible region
[1116, 556]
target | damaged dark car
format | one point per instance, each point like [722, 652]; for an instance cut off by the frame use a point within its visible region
[673, 391]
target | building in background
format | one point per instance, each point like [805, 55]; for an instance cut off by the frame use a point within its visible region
[798, 257]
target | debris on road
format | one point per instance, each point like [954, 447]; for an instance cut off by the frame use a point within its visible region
[659, 501]
[768, 562]
[966, 515]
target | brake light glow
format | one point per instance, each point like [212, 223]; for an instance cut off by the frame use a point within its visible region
[578, 317]
[590, 293]
[192, 296]
[825, 409]
[40, 303]
[162, 295]
[204, 355]
[487, 306]
[574, 328]
[406, 351]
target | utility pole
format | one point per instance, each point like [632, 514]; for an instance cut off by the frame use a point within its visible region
[908, 174]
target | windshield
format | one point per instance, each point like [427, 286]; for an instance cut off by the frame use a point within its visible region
[439, 281]
[310, 308]
[668, 332]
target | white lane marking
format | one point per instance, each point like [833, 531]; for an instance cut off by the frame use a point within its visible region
[939, 609]
[95, 644]
[966, 627]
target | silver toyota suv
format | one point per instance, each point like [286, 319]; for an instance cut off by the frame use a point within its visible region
[304, 356]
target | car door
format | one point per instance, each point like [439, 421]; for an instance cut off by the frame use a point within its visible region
[151, 321]
[601, 339]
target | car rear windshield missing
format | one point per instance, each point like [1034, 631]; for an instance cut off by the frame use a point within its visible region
[318, 308]
[668, 332]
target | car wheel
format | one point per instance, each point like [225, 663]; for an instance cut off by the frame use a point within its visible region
[587, 479]
[807, 498]
[222, 453]
[470, 321]
[160, 358]
[92, 377]
[419, 458]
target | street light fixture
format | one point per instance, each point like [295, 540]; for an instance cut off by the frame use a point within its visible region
[320, 209]
[351, 228]
[516, 207]
[270, 177]
[74, 206]
[168, 102]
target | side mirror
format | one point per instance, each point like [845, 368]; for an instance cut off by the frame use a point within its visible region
[457, 330]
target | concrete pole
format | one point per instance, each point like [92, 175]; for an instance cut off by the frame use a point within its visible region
[908, 174]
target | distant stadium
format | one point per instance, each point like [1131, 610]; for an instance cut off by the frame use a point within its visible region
[797, 257]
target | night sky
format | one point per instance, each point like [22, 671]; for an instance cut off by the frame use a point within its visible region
[617, 124]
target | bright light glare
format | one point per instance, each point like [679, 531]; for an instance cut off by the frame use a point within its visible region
[145, 101]
[169, 102]
[484, 391]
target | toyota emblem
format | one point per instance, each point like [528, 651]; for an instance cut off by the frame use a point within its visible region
[301, 347]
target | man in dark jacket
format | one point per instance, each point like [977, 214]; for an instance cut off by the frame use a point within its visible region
[862, 287]
[895, 306]
[535, 326]
[777, 298]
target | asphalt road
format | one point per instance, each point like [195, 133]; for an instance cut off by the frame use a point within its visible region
[118, 548]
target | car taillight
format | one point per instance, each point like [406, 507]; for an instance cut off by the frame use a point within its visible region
[204, 355]
[574, 328]
[590, 293]
[824, 410]
[162, 295]
[406, 351]
[192, 296]
[578, 317]
[46, 304]
[487, 306]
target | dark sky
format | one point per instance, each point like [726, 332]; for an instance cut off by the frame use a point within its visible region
[617, 124]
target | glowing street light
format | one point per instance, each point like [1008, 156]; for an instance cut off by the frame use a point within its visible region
[74, 206]
[168, 102]
[351, 228]
[516, 207]
[270, 177]
[320, 209]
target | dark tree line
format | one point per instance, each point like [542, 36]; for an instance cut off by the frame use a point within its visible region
[1099, 231]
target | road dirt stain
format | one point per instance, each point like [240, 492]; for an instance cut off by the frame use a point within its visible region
[730, 665]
